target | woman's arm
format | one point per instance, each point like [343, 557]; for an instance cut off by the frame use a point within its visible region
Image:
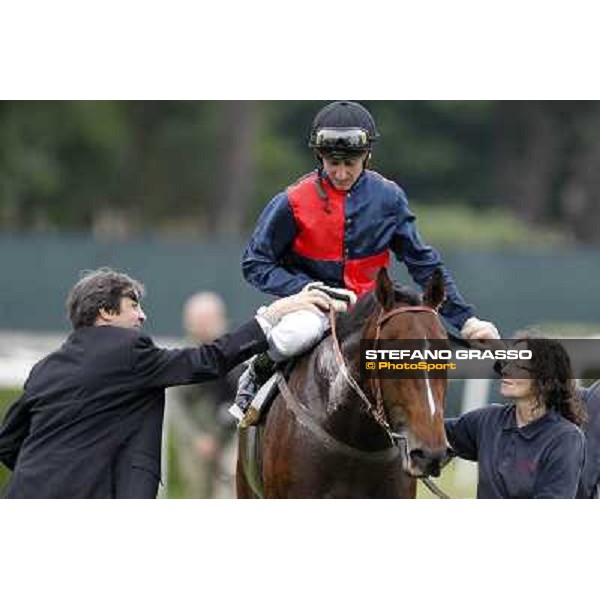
[561, 467]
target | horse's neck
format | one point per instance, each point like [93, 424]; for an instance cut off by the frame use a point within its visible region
[340, 409]
[331, 377]
[334, 374]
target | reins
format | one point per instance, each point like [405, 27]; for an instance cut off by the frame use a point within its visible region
[377, 411]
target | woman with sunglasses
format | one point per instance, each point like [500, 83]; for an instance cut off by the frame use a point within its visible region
[532, 446]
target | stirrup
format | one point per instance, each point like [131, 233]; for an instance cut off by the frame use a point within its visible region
[252, 417]
[260, 370]
[236, 412]
[260, 403]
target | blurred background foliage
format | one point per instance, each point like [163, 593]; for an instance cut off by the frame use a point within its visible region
[7, 396]
[483, 173]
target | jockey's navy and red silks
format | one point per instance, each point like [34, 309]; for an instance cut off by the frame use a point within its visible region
[314, 232]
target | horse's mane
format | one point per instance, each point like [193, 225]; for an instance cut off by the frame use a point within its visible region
[355, 319]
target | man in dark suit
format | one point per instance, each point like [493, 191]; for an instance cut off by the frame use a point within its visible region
[89, 422]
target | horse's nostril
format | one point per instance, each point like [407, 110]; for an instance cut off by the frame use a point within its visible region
[419, 457]
[434, 469]
[428, 462]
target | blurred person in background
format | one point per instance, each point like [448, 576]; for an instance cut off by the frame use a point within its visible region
[531, 447]
[202, 427]
[589, 484]
[89, 422]
[333, 229]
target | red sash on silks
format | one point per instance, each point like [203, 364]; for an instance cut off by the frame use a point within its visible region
[321, 232]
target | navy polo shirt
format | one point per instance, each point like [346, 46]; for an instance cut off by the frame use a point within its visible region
[589, 485]
[542, 459]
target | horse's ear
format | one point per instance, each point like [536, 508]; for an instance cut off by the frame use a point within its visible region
[384, 290]
[435, 294]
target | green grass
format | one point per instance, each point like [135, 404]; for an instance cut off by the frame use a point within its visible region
[7, 397]
[458, 480]
[176, 488]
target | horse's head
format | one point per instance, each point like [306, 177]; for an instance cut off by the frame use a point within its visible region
[413, 407]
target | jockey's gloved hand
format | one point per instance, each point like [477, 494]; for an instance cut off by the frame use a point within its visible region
[305, 300]
[475, 329]
[341, 297]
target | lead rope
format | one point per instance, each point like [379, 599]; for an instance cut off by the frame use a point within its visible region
[434, 489]
[377, 413]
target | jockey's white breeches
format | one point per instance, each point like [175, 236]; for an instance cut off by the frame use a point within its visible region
[296, 333]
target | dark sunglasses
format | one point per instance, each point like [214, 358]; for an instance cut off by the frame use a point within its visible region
[500, 366]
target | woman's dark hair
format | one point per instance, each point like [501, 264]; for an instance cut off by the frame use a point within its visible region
[552, 378]
[98, 289]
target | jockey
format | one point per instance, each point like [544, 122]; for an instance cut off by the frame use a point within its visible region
[334, 229]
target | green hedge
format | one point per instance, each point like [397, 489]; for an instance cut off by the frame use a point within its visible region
[7, 397]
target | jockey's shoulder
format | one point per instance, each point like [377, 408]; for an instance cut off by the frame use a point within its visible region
[312, 175]
[388, 185]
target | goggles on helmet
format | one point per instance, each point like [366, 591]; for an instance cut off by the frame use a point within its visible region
[351, 140]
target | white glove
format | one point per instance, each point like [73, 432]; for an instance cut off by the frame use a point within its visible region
[341, 298]
[475, 329]
[313, 300]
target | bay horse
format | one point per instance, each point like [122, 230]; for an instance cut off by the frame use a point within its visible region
[326, 437]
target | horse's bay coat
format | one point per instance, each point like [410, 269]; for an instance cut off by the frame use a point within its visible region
[321, 439]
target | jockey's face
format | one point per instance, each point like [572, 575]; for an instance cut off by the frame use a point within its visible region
[343, 172]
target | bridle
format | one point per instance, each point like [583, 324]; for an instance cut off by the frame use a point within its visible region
[383, 318]
[377, 410]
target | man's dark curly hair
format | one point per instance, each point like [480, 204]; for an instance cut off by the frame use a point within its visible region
[98, 289]
[552, 378]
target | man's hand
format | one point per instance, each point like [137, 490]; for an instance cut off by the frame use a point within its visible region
[304, 300]
[475, 329]
[341, 298]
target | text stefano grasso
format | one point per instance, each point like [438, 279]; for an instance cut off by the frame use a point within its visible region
[471, 354]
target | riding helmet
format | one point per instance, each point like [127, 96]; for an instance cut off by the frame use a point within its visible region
[343, 128]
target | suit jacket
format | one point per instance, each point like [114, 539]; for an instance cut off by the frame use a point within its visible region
[89, 422]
